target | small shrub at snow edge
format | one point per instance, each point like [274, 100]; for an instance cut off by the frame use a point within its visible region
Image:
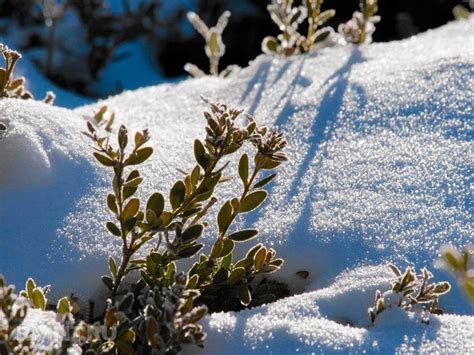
[410, 292]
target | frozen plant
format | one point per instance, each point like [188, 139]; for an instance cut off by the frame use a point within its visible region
[288, 19]
[165, 305]
[360, 28]
[214, 48]
[13, 311]
[410, 292]
[101, 119]
[11, 87]
[460, 265]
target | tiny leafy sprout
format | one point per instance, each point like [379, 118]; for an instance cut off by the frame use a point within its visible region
[36, 295]
[11, 87]
[461, 13]
[215, 48]
[460, 265]
[410, 292]
[130, 224]
[288, 19]
[13, 310]
[360, 28]
[103, 120]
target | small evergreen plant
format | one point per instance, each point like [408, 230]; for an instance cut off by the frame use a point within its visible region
[288, 19]
[214, 48]
[410, 292]
[360, 28]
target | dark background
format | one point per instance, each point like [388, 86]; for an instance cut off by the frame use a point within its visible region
[249, 24]
[243, 36]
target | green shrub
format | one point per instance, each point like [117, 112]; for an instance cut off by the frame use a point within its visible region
[215, 48]
[140, 318]
[359, 29]
[288, 19]
[410, 292]
[460, 265]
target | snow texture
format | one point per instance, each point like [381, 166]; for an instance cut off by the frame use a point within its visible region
[380, 169]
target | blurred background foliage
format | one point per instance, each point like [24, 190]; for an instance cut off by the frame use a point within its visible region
[168, 39]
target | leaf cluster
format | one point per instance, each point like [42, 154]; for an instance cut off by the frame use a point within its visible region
[11, 87]
[288, 19]
[460, 265]
[410, 292]
[103, 120]
[360, 28]
[214, 48]
[13, 310]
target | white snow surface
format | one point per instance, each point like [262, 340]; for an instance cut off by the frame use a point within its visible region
[380, 169]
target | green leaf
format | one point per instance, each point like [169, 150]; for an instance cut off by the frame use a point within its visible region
[213, 43]
[244, 296]
[156, 203]
[134, 182]
[197, 314]
[30, 286]
[111, 203]
[177, 194]
[131, 209]
[325, 15]
[106, 161]
[243, 235]
[237, 274]
[221, 276]
[226, 261]
[227, 247]
[270, 45]
[200, 154]
[224, 217]
[39, 301]
[192, 233]
[189, 251]
[195, 175]
[259, 259]
[252, 201]
[63, 306]
[264, 181]
[139, 156]
[113, 267]
[165, 218]
[216, 249]
[113, 229]
[128, 191]
[321, 35]
[244, 168]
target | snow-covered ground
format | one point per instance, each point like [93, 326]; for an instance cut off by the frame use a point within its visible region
[380, 169]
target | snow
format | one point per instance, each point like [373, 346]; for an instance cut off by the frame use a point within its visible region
[380, 169]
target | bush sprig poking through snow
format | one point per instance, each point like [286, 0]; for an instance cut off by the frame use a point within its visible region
[11, 87]
[360, 28]
[216, 280]
[410, 292]
[460, 265]
[288, 19]
[215, 48]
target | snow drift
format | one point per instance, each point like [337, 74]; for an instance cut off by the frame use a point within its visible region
[380, 169]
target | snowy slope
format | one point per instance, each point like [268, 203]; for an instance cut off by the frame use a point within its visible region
[380, 169]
